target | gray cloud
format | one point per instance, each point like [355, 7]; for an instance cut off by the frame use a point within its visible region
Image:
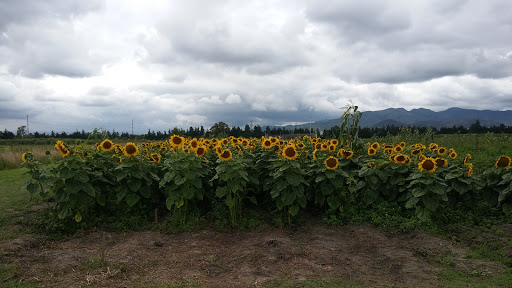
[83, 65]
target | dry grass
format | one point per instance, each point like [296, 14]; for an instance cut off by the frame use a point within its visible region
[10, 156]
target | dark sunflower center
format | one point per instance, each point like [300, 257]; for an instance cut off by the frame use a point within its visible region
[331, 162]
[107, 145]
[225, 154]
[428, 165]
[503, 162]
[400, 158]
[130, 149]
[176, 140]
[290, 152]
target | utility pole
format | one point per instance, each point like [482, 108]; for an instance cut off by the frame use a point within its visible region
[27, 125]
[132, 127]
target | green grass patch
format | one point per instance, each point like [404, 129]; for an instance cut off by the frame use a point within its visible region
[316, 283]
[12, 194]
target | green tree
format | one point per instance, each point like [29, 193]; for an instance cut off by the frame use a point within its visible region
[219, 130]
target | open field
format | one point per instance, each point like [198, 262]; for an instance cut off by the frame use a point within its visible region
[307, 255]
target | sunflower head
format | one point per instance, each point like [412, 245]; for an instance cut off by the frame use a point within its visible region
[301, 145]
[117, 158]
[107, 145]
[470, 169]
[226, 155]
[155, 157]
[290, 153]
[432, 147]
[372, 151]
[441, 150]
[453, 154]
[200, 151]
[428, 164]
[63, 150]
[334, 142]
[193, 144]
[331, 163]
[347, 153]
[441, 162]
[398, 149]
[314, 154]
[376, 145]
[467, 158]
[402, 159]
[416, 152]
[402, 144]
[176, 141]
[332, 148]
[370, 164]
[503, 162]
[27, 157]
[266, 143]
[130, 149]
[318, 146]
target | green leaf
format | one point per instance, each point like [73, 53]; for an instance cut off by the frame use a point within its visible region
[431, 203]
[73, 186]
[294, 179]
[369, 196]
[89, 189]
[253, 200]
[100, 199]
[188, 192]
[221, 191]
[419, 191]
[145, 192]
[132, 199]
[66, 173]
[334, 202]
[411, 202]
[134, 184]
[230, 201]
[422, 213]
[288, 198]
[294, 209]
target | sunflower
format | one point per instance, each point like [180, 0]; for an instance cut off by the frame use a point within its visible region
[194, 144]
[376, 145]
[467, 158]
[314, 154]
[503, 162]
[370, 164]
[422, 157]
[273, 140]
[402, 159]
[470, 169]
[441, 162]
[238, 149]
[331, 163]
[226, 155]
[432, 147]
[200, 151]
[176, 141]
[428, 164]
[332, 148]
[118, 159]
[398, 149]
[266, 144]
[27, 157]
[107, 145]
[63, 150]
[155, 157]
[388, 151]
[372, 151]
[402, 144]
[453, 154]
[301, 145]
[347, 153]
[318, 146]
[441, 150]
[334, 142]
[416, 152]
[290, 153]
[130, 149]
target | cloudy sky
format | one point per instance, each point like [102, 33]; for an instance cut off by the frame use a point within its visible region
[73, 64]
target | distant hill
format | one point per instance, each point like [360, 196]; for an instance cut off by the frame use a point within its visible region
[422, 117]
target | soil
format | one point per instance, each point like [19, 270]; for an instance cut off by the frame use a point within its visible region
[355, 253]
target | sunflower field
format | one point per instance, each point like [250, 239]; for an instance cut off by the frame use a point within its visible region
[285, 177]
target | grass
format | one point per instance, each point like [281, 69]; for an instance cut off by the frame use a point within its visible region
[10, 156]
[12, 194]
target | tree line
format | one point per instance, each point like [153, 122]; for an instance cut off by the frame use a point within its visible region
[221, 129]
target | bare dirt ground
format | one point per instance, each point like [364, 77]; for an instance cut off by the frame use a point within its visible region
[356, 253]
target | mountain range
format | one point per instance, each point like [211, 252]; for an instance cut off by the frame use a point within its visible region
[422, 117]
